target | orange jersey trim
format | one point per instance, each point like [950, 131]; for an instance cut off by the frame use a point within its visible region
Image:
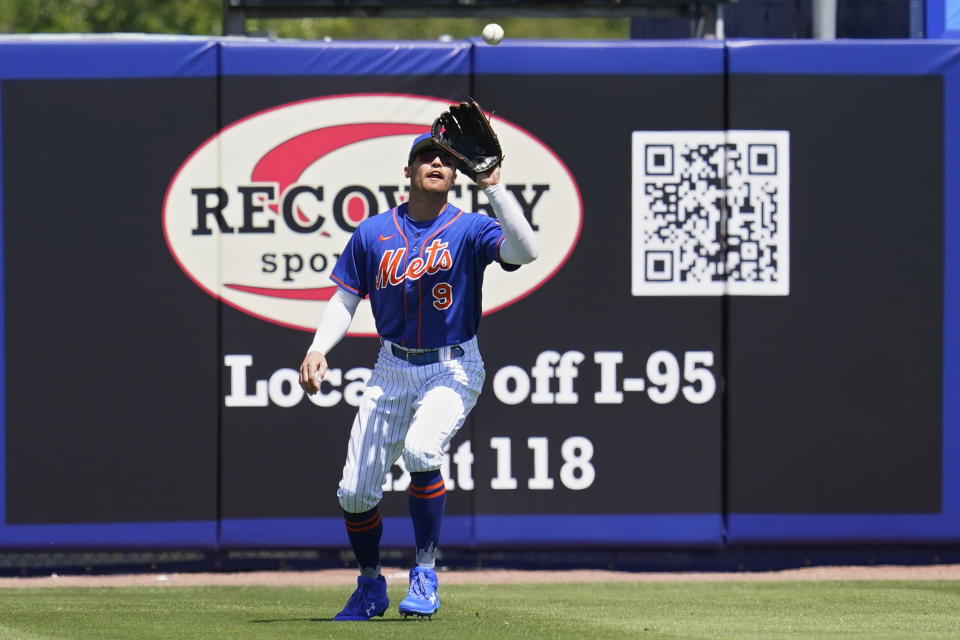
[499, 257]
[406, 257]
[419, 288]
[419, 311]
[343, 284]
[437, 232]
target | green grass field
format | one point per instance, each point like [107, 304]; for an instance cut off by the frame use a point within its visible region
[758, 610]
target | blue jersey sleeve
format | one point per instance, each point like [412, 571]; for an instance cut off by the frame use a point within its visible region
[489, 239]
[350, 272]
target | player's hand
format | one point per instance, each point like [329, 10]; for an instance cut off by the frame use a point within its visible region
[312, 370]
[489, 178]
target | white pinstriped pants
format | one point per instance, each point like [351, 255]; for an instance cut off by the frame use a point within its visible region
[410, 410]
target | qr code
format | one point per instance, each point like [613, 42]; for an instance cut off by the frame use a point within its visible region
[711, 213]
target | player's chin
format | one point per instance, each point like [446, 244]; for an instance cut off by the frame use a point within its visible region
[433, 185]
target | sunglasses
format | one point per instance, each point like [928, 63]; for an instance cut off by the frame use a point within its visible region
[427, 155]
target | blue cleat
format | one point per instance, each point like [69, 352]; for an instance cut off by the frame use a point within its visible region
[422, 599]
[369, 600]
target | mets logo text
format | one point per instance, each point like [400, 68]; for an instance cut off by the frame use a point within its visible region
[392, 270]
[259, 213]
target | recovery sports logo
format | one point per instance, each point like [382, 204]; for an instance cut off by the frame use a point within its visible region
[259, 213]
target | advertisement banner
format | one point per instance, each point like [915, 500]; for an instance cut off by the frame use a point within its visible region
[840, 395]
[743, 326]
[109, 355]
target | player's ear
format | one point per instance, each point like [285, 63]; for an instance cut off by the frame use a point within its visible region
[406, 171]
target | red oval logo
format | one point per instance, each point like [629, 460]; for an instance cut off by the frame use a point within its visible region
[258, 214]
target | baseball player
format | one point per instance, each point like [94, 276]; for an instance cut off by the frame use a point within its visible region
[422, 266]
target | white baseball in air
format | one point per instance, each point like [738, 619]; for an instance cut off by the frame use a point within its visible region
[492, 33]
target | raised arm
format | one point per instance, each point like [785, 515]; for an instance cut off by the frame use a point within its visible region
[520, 243]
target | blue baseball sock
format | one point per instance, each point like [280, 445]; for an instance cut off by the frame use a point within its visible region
[364, 530]
[428, 495]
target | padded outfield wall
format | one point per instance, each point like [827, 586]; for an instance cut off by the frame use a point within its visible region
[743, 327]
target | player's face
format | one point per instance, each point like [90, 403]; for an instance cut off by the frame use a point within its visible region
[431, 171]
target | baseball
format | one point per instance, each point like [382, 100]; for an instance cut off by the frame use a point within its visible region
[493, 33]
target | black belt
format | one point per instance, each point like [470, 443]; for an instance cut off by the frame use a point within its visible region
[421, 358]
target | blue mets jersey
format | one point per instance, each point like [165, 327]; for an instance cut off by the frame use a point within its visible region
[424, 279]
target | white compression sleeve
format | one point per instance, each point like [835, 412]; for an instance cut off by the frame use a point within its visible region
[519, 244]
[335, 322]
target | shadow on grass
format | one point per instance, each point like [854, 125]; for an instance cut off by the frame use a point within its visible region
[322, 620]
